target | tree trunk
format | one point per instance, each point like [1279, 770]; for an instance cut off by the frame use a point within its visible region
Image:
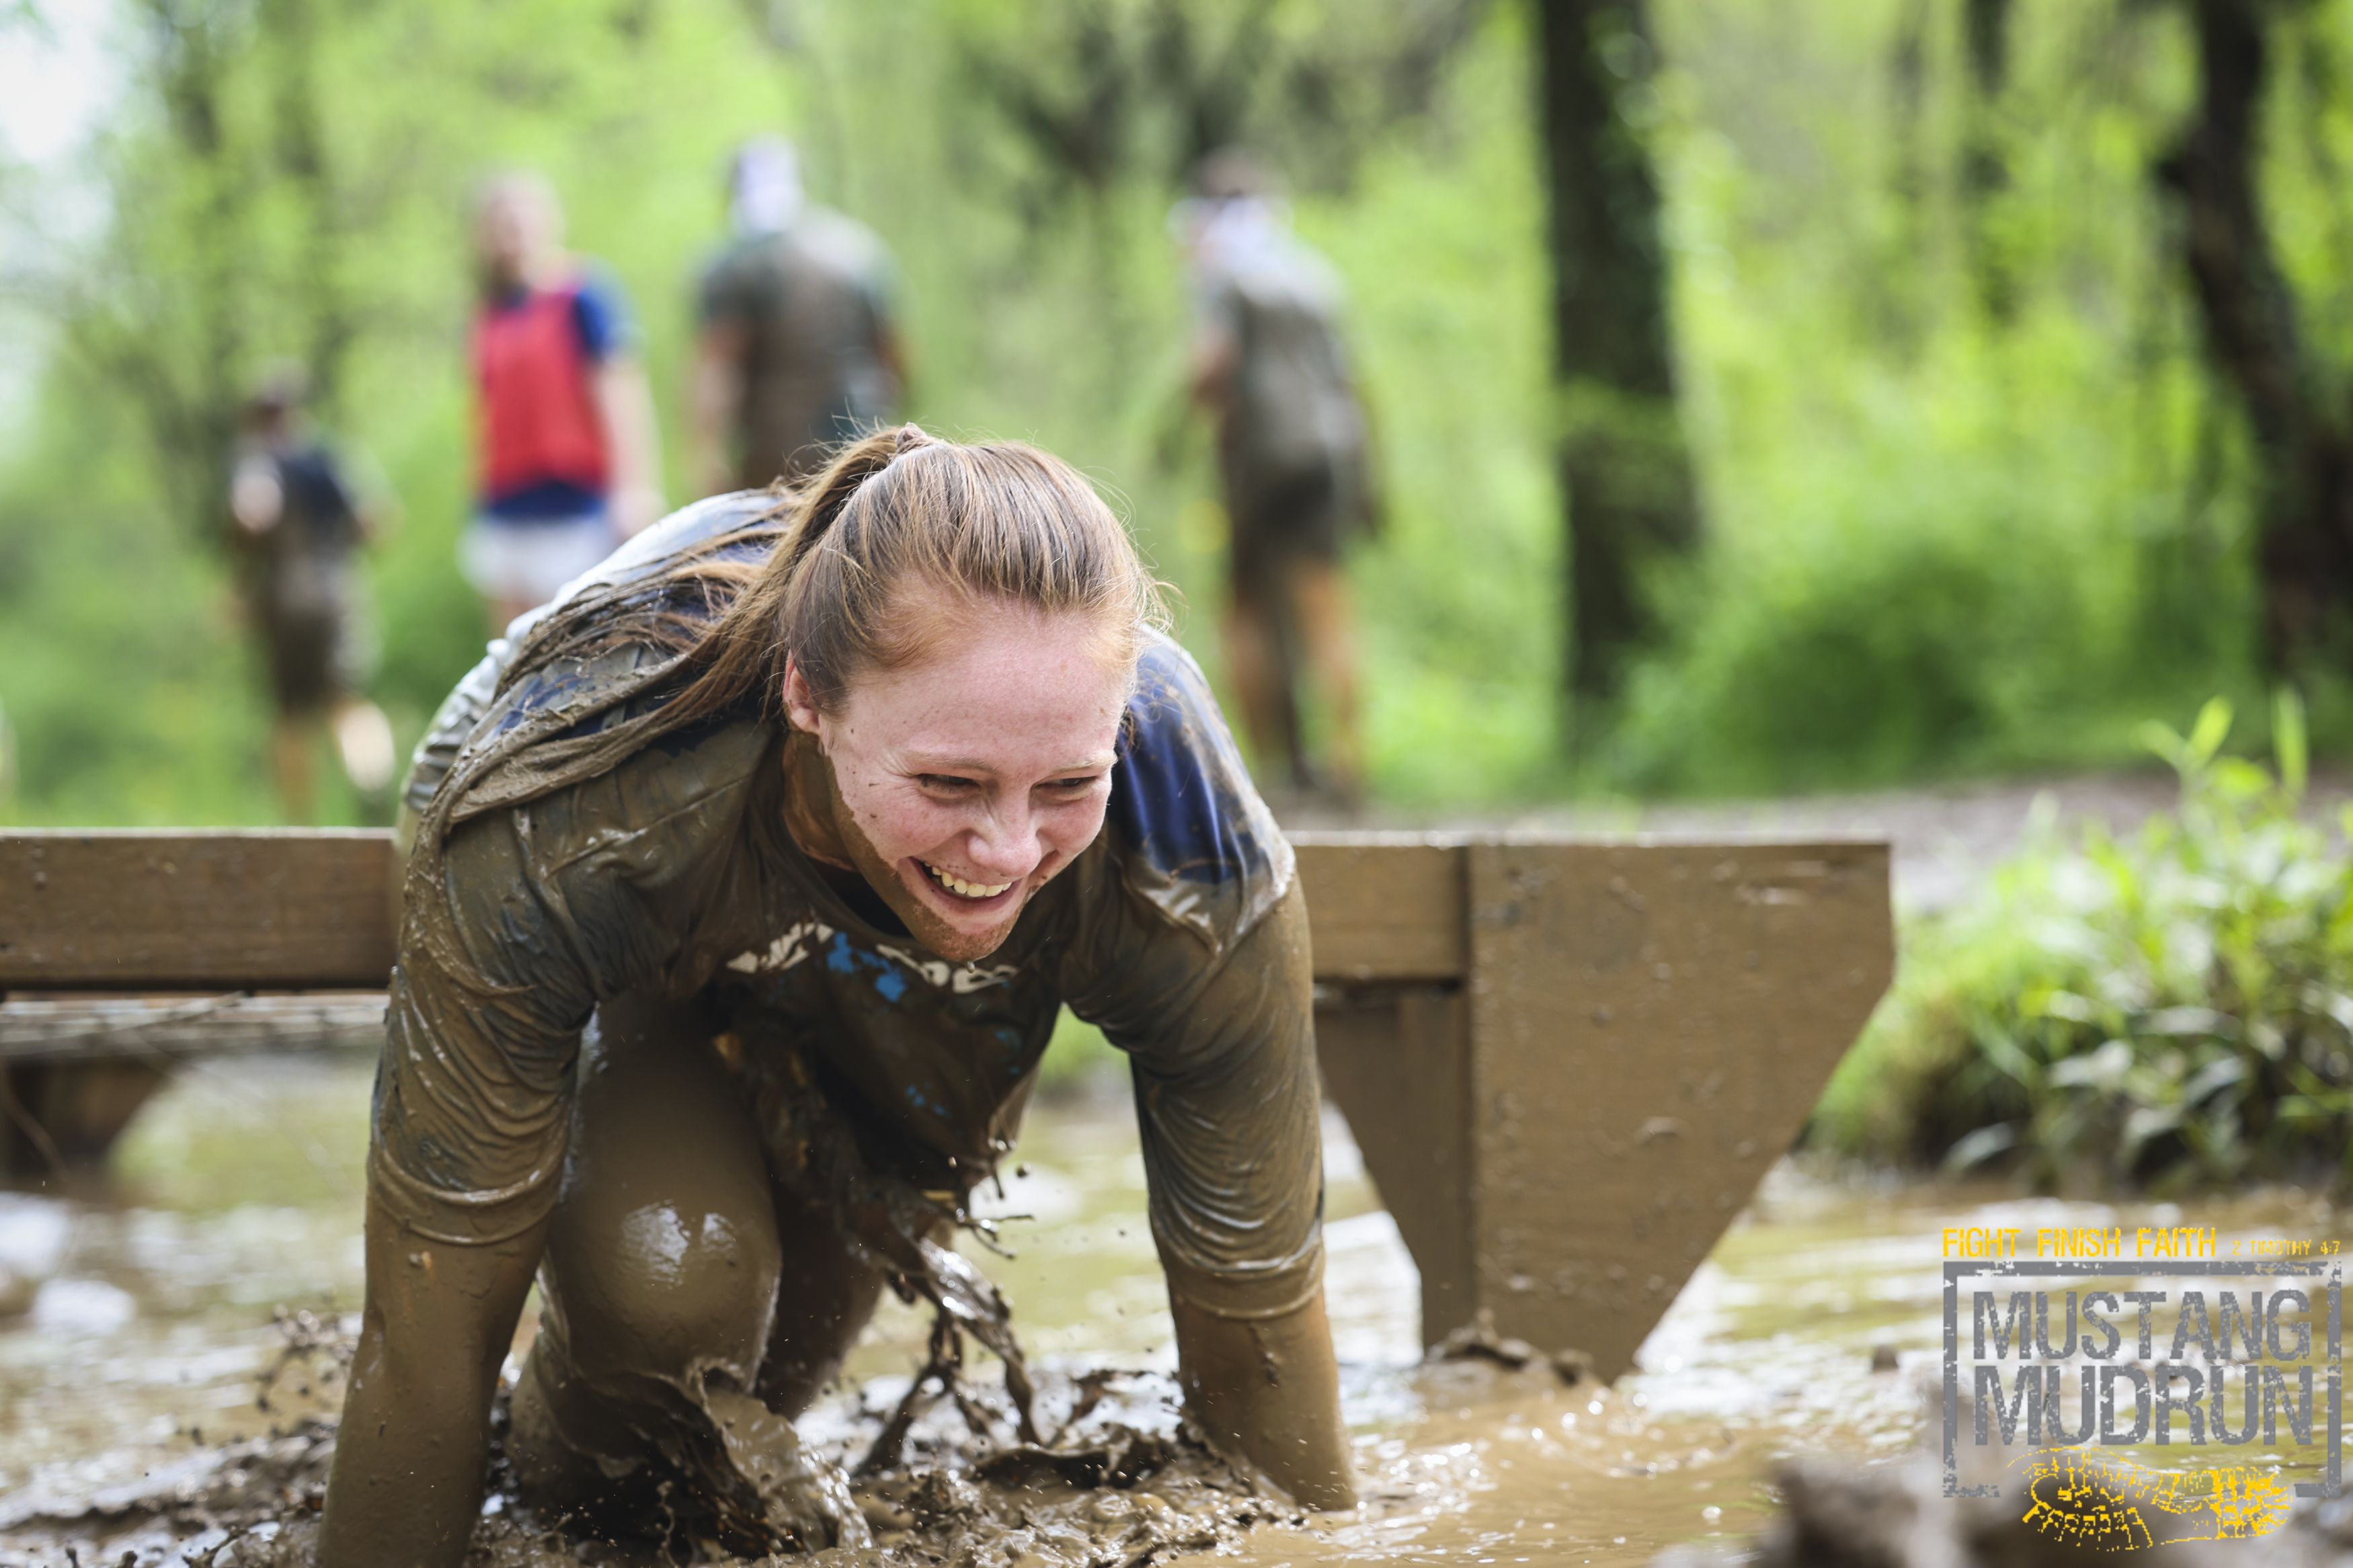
[2248, 312]
[1985, 161]
[1625, 473]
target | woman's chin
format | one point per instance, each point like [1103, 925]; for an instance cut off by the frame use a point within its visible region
[960, 929]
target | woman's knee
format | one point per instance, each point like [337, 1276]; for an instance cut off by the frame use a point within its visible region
[663, 1254]
[667, 1291]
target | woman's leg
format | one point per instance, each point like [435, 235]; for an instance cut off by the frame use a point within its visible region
[661, 1272]
[667, 1349]
[827, 1298]
[1319, 594]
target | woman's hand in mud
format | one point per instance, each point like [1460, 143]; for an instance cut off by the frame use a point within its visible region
[407, 1484]
[1268, 1390]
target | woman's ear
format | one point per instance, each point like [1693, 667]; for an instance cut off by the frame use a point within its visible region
[800, 703]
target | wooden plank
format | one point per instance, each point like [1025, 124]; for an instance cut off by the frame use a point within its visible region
[1384, 906]
[291, 909]
[1397, 1062]
[161, 1029]
[1650, 1028]
[220, 911]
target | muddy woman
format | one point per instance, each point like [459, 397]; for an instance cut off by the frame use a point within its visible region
[746, 881]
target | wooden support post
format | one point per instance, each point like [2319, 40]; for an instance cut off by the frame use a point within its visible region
[1565, 1126]
[1397, 1062]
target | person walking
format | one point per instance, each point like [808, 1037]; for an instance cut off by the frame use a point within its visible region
[1270, 366]
[568, 456]
[796, 349]
[296, 526]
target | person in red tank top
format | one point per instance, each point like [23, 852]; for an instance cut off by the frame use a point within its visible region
[567, 458]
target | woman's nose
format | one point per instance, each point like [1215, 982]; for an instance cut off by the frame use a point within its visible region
[1004, 843]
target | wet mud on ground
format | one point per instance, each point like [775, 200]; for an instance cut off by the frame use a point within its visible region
[142, 1325]
[1124, 1482]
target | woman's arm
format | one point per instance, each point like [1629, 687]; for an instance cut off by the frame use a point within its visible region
[471, 1116]
[1268, 1389]
[1228, 1100]
[407, 1484]
[626, 405]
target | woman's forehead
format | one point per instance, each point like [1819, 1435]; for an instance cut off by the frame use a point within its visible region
[1000, 686]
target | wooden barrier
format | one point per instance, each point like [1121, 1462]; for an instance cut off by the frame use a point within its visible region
[1568, 1064]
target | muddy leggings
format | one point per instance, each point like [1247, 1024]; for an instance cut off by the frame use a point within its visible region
[677, 1277]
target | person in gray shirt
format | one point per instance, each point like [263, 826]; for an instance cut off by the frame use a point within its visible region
[796, 349]
[1270, 368]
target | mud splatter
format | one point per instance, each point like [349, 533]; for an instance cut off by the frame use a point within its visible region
[1479, 1341]
[1126, 1481]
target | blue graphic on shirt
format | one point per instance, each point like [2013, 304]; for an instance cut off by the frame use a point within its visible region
[841, 958]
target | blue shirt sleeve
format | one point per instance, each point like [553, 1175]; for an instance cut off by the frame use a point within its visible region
[602, 313]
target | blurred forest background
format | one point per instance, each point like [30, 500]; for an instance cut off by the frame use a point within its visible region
[1994, 412]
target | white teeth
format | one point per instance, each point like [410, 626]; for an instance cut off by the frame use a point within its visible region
[961, 888]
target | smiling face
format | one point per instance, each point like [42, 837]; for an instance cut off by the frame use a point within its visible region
[962, 781]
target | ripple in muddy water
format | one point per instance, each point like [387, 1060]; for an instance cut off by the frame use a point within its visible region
[129, 1423]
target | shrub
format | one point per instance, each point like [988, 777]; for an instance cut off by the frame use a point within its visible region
[2168, 1010]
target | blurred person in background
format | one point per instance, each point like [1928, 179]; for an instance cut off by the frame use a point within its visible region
[796, 349]
[1270, 369]
[298, 523]
[569, 458]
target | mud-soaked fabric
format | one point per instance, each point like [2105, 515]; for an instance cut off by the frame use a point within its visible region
[1179, 932]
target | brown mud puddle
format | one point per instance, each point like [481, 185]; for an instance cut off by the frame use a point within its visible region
[142, 1323]
[1125, 1482]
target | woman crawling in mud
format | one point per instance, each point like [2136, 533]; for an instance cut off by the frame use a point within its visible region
[747, 881]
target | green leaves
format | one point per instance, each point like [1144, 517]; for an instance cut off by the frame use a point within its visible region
[2289, 742]
[2206, 738]
[2171, 1009]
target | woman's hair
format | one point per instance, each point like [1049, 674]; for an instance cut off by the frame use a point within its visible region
[981, 524]
[833, 579]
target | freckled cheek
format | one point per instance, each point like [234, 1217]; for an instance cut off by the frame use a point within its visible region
[1064, 835]
[896, 825]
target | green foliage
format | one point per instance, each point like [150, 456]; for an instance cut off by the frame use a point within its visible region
[121, 669]
[1078, 1055]
[1940, 540]
[2168, 1010]
[1946, 540]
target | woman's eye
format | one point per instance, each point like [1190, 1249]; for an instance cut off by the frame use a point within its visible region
[1072, 786]
[946, 783]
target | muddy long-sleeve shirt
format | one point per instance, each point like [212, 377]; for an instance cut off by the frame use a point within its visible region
[1180, 931]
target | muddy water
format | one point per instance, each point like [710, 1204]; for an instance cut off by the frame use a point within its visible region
[138, 1325]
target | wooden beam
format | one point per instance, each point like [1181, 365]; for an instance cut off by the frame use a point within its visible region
[1397, 1061]
[194, 910]
[161, 1029]
[1568, 1063]
[292, 910]
[1385, 906]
